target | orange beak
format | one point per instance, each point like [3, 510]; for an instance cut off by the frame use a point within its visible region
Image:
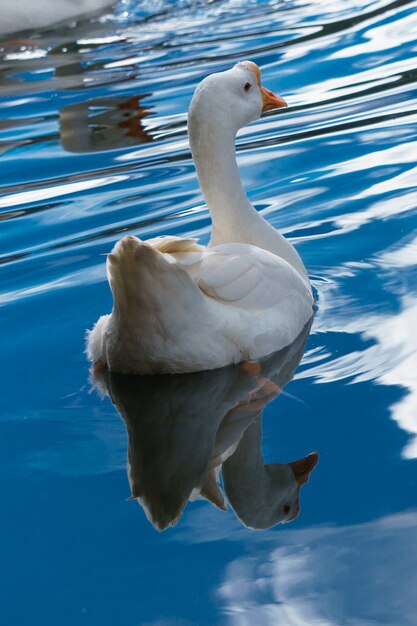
[269, 100]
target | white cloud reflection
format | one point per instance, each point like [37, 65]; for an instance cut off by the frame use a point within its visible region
[381, 38]
[390, 360]
[360, 575]
[46, 193]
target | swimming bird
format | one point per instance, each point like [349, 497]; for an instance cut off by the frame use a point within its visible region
[179, 306]
[20, 15]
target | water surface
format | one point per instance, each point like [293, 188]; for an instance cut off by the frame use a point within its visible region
[93, 145]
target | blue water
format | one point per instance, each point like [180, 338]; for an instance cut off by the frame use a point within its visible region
[93, 145]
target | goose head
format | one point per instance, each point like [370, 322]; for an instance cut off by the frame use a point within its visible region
[235, 97]
[264, 495]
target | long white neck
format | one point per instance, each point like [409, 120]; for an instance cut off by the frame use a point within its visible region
[234, 219]
[213, 149]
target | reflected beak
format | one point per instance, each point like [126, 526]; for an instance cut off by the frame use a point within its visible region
[302, 468]
[269, 99]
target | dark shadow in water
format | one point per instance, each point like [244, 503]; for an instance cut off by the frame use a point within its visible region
[182, 429]
[103, 124]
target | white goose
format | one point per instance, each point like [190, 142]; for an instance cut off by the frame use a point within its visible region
[17, 15]
[182, 307]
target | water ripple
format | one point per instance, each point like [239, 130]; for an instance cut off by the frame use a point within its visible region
[93, 136]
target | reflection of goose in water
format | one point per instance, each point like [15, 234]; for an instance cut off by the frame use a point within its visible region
[182, 428]
[103, 124]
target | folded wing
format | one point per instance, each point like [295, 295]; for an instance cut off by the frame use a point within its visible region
[250, 278]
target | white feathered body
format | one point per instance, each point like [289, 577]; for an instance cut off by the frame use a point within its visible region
[181, 307]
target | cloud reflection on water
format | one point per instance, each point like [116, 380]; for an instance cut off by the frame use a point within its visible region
[359, 575]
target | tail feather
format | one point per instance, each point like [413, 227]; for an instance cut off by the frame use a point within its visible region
[141, 271]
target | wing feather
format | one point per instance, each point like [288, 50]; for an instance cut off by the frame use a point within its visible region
[248, 277]
[237, 274]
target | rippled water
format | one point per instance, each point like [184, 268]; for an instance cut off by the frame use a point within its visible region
[93, 145]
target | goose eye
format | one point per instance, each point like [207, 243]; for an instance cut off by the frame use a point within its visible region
[247, 86]
[286, 509]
